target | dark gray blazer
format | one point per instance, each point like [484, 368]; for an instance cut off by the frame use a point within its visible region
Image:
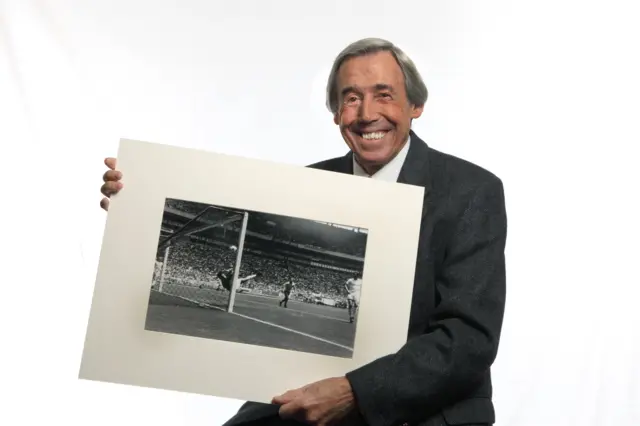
[442, 375]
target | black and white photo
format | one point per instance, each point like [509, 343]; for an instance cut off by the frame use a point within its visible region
[257, 278]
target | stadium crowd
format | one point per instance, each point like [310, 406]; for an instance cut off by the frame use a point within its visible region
[197, 264]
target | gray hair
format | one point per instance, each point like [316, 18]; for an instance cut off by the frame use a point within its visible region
[413, 83]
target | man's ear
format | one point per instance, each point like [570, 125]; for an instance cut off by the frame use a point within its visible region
[416, 111]
[336, 119]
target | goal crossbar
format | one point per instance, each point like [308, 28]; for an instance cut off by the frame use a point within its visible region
[179, 232]
[222, 222]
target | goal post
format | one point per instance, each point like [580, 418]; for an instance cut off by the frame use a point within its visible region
[165, 261]
[236, 269]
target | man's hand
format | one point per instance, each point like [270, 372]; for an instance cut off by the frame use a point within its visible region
[328, 402]
[112, 184]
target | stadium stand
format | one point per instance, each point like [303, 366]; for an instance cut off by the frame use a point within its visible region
[318, 257]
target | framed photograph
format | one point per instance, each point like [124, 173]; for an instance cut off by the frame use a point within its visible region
[242, 278]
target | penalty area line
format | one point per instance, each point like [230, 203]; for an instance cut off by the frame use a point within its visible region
[311, 336]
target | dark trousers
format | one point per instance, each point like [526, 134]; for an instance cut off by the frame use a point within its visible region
[286, 299]
[437, 420]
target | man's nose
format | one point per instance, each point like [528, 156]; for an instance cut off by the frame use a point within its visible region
[368, 111]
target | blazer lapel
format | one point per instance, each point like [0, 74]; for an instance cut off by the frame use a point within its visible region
[346, 164]
[415, 170]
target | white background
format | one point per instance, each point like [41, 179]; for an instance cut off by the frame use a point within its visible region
[543, 93]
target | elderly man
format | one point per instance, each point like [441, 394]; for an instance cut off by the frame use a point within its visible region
[441, 376]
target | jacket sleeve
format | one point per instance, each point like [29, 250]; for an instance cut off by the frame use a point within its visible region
[452, 357]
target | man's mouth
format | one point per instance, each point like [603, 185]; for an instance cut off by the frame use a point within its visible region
[372, 136]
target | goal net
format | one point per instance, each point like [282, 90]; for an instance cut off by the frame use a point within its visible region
[199, 258]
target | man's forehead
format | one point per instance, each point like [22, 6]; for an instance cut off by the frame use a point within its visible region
[370, 72]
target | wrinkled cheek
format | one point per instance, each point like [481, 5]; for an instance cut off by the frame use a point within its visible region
[347, 115]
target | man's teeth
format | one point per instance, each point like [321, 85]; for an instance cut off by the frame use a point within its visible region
[374, 135]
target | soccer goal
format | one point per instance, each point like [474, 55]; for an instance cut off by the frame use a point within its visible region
[199, 257]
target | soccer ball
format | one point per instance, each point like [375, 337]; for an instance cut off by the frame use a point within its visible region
[233, 248]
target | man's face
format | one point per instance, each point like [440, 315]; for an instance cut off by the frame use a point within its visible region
[374, 113]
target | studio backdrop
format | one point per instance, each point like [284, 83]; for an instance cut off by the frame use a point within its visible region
[544, 94]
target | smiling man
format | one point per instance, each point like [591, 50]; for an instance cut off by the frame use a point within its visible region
[442, 375]
[373, 109]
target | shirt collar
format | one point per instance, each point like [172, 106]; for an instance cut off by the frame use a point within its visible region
[390, 172]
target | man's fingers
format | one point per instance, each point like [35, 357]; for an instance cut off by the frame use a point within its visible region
[112, 175]
[286, 397]
[111, 182]
[296, 410]
[110, 188]
[104, 204]
[110, 162]
[291, 410]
